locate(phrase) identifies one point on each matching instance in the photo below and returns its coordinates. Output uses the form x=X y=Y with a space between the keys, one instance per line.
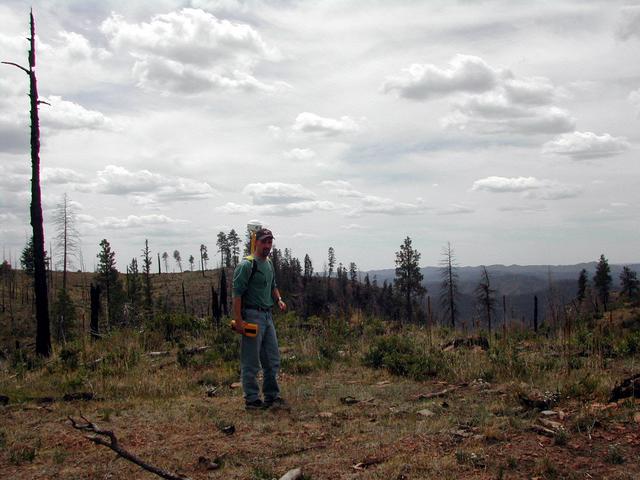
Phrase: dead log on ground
x=112 y=443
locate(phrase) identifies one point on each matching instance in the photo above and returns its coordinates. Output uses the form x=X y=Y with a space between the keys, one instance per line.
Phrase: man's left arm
x=275 y=293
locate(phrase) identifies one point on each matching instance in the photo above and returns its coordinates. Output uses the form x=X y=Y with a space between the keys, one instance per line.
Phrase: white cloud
x=488 y=100
x=505 y=184
x=629 y=22
x=531 y=187
x=65 y=115
x=421 y=81
x=554 y=191
x=586 y=145
x=192 y=51
x=456 y=209
x=634 y=98
x=134 y=221
x=116 y=180
x=61 y=175
x=342 y=188
x=372 y=204
x=353 y=226
x=311 y=123
x=303 y=235
x=282 y=209
x=301 y=154
x=169 y=75
x=495 y=113
x=276 y=193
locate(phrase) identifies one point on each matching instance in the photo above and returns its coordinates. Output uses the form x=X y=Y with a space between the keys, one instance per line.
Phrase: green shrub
x=69 y=357
x=400 y=356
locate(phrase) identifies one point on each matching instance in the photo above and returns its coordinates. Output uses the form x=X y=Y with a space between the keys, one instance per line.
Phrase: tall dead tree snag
x=43 y=333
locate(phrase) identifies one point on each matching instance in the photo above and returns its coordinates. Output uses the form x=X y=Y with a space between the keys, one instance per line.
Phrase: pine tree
x=485 y=296
x=308 y=270
x=583 y=281
x=629 y=283
x=108 y=279
x=146 y=270
x=234 y=241
x=165 y=259
x=191 y=262
x=223 y=249
x=178 y=259
x=408 y=276
x=602 y=281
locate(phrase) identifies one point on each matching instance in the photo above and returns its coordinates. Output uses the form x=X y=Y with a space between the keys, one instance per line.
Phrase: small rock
x=426 y=413
x=349 y=400
x=235 y=385
x=383 y=383
x=551 y=424
x=325 y=414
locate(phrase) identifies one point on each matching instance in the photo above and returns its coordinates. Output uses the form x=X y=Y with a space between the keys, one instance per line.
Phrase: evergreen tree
x=234 y=241
x=602 y=281
x=308 y=270
x=204 y=258
x=146 y=270
x=178 y=259
x=408 y=276
x=134 y=288
x=26 y=259
x=108 y=279
x=449 y=285
x=486 y=296
x=165 y=259
x=629 y=283
x=223 y=250
x=191 y=262
x=583 y=281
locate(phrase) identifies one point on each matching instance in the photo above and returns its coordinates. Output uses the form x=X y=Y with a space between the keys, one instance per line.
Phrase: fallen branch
x=112 y=443
x=194 y=350
x=441 y=393
x=368 y=462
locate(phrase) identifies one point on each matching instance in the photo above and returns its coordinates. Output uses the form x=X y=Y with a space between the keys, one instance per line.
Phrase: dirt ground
x=345 y=423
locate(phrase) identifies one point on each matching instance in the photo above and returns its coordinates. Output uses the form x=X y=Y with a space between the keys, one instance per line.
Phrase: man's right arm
x=237 y=314
x=240 y=280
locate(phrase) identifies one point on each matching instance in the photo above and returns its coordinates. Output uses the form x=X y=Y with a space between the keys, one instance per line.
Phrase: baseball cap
x=263 y=234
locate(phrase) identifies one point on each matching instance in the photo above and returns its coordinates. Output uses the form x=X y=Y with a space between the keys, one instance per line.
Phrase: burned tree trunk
x=43 y=333
x=95 y=309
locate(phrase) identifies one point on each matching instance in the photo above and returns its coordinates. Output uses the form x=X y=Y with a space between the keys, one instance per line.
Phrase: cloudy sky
x=510 y=129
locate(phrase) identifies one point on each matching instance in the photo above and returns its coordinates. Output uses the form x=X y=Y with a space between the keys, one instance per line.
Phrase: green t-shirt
x=258 y=292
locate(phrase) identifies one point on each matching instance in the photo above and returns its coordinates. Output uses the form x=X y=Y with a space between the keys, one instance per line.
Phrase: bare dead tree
x=43 y=333
x=67 y=236
x=449 y=285
x=108 y=439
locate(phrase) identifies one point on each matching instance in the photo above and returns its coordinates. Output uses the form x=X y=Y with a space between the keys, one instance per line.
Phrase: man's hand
x=239 y=326
x=282 y=305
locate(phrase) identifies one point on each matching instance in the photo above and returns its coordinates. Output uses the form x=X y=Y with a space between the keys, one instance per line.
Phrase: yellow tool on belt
x=250 y=329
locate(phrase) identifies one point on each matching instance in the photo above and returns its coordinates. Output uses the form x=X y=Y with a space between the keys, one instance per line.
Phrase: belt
x=255 y=307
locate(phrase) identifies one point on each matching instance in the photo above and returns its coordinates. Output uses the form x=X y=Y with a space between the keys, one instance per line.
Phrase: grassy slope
x=158 y=406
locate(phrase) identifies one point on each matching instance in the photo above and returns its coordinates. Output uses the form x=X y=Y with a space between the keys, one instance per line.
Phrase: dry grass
x=159 y=408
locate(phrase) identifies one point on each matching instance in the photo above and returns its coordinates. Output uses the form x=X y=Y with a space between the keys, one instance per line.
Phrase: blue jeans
x=258 y=352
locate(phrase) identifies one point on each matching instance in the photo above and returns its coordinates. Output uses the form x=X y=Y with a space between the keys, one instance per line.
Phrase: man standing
x=254 y=293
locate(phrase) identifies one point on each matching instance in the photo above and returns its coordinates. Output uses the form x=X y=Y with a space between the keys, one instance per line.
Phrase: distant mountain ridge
x=518 y=283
